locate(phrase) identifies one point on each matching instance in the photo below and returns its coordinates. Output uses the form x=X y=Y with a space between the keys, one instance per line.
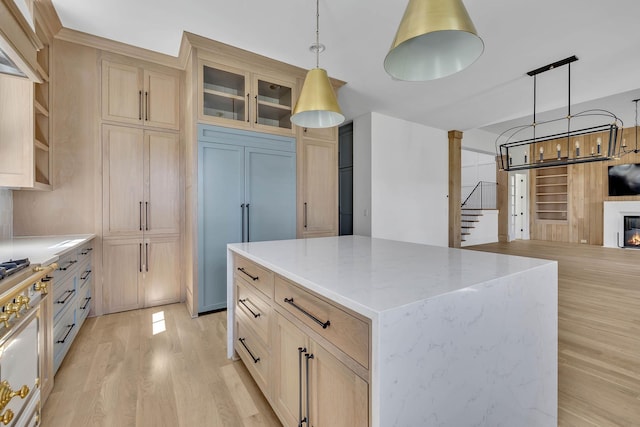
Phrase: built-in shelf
x=551 y=194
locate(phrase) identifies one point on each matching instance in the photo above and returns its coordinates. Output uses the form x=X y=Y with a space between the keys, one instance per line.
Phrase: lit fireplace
x=632 y=232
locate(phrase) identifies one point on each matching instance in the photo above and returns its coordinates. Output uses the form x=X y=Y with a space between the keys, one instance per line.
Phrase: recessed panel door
x=270 y=179
x=220 y=218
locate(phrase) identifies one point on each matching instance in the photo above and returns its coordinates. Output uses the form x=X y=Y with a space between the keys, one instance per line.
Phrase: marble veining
x=458 y=338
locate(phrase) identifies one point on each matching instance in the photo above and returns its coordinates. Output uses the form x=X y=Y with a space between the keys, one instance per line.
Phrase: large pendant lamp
x=436 y=38
x=317 y=105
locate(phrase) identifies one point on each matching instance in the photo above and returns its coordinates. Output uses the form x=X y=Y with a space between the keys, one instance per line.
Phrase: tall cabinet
x=246 y=193
x=141 y=221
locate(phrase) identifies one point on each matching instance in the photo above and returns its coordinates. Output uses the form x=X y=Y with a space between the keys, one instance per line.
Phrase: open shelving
x=551 y=193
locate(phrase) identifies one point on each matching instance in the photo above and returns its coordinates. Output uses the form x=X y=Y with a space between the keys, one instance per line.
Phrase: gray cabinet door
x=270 y=192
x=246 y=192
x=220 y=197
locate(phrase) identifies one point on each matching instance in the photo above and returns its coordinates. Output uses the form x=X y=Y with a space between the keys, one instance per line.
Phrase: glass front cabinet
x=237 y=98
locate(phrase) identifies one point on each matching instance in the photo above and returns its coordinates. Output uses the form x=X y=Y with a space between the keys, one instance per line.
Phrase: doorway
x=345 y=179
x=519 y=206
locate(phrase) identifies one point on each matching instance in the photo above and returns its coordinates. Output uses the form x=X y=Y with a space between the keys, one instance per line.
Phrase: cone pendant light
x=317 y=105
x=436 y=38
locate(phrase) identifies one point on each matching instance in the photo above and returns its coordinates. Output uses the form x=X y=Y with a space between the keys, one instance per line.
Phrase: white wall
x=6 y=214
x=480 y=141
x=408 y=183
x=476 y=166
x=362 y=175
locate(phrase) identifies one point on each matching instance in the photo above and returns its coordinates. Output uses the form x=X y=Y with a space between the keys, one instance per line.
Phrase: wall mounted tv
x=624 y=180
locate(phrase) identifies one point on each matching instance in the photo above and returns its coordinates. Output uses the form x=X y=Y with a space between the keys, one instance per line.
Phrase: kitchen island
x=455 y=337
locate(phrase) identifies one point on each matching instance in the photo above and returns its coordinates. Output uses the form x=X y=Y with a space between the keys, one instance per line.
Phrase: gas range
x=10 y=267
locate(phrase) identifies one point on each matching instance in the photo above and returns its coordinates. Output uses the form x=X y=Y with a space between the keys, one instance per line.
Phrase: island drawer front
x=259 y=277
x=345 y=331
x=64 y=295
x=257 y=311
x=254 y=355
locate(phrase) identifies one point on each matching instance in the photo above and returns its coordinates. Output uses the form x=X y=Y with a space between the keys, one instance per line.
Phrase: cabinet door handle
x=146 y=216
x=324 y=325
x=67 y=334
x=244 y=302
x=146 y=110
x=140 y=218
x=85 y=275
x=86 y=251
x=146 y=256
x=140 y=257
x=69 y=293
x=139 y=105
x=66 y=267
x=255 y=359
x=301 y=350
x=242 y=221
x=247 y=112
x=305 y=214
x=256 y=108
x=307 y=356
x=248 y=225
x=86 y=303
x=254 y=278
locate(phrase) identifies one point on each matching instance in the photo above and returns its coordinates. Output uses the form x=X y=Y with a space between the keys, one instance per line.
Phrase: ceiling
x=519 y=36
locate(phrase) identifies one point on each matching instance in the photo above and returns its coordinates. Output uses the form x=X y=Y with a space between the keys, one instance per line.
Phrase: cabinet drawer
x=347 y=332
x=257 y=311
x=83 y=304
x=257 y=276
x=64 y=294
x=66 y=266
x=84 y=252
x=84 y=275
x=64 y=331
x=254 y=355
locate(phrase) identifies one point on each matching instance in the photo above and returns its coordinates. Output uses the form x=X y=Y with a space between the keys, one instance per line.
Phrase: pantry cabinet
x=318 y=188
x=136 y=95
x=234 y=97
x=141 y=178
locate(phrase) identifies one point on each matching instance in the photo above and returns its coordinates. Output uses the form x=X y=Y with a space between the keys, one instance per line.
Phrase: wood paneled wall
x=587 y=191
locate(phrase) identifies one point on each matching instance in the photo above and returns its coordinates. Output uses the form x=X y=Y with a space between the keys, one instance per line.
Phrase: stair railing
x=483 y=196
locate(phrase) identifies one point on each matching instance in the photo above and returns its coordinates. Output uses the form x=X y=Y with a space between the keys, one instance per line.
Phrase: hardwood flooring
x=119 y=373
x=598 y=330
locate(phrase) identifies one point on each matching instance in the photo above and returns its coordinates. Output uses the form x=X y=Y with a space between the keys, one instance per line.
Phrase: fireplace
x=632 y=231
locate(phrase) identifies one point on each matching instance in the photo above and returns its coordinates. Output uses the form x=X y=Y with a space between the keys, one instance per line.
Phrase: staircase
x=470 y=218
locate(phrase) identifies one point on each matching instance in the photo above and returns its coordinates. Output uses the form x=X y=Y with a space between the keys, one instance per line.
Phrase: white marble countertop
x=41 y=250
x=371 y=276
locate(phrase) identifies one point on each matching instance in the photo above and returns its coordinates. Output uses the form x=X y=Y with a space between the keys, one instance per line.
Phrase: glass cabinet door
x=224 y=94
x=273 y=103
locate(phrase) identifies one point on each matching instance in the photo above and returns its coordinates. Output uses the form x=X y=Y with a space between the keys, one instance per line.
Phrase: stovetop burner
x=13 y=266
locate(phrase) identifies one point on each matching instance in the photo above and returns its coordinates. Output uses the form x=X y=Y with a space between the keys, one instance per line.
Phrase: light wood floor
x=118 y=373
x=598 y=329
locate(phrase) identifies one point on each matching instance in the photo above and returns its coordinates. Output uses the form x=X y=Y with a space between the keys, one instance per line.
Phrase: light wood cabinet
x=140 y=272
x=122 y=265
x=551 y=193
x=24 y=132
x=139 y=96
x=235 y=97
x=311 y=379
x=310 y=357
x=318 y=184
x=141 y=181
x=161 y=276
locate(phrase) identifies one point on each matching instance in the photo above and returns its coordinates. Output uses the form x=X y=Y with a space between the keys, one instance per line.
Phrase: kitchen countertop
x=458 y=337
x=371 y=276
x=42 y=250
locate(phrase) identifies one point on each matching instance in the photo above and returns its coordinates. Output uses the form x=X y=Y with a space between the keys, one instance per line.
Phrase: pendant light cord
x=317 y=33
